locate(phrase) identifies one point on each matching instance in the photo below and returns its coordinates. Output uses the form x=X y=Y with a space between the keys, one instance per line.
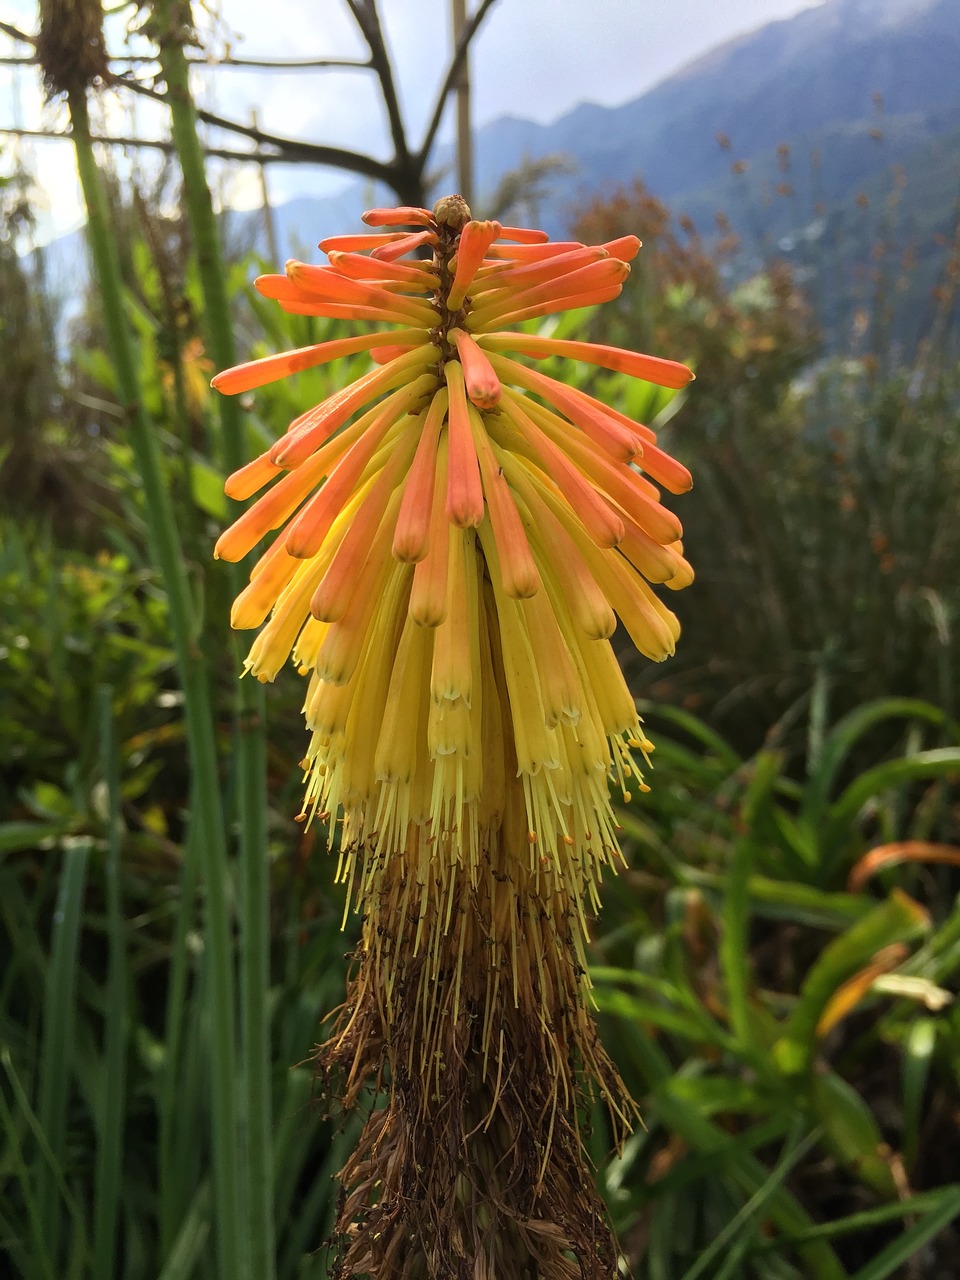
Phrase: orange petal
x=585 y=280
x=665 y=470
x=298 y=443
x=625 y=248
x=524 y=275
x=483 y=385
x=361 y=266
x=428 y=594
x=404 y=216
x=475 y=239
x=383 y=355
x=523 y=235
x=464 y=490
x=257 y=373
x=248 y=480
x=553 y=307
x=397 y=248
x=332 y=596
x=361 y=243
x=307 y=533
x=519 y=572
x=274 y=508
x=665 y=373
x=533 y=252
x=649 y=623
x=411 y=538
x=634 y=494
x=657 y=563
x=274 y=571
x=346 y=639
x=327 y=285
x=589 y=414
x=599 y=519
x=556 y=546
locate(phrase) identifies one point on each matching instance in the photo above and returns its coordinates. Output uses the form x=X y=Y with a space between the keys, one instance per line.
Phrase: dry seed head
x=70 y=45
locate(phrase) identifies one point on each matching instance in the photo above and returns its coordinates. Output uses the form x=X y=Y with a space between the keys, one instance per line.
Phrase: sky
x=532 y=58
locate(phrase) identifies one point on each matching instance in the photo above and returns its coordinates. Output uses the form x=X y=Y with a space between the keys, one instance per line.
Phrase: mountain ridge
x=863 y=84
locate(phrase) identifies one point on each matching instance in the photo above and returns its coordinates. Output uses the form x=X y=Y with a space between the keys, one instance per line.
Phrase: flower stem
x=250 y=706
x=198 y=710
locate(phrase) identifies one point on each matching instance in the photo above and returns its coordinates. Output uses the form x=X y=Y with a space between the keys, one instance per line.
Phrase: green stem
x=250 y=734
x=198 y=710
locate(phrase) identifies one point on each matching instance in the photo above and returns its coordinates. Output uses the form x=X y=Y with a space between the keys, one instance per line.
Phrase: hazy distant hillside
x=851 y=87
x=862 y=84
x=809 y=82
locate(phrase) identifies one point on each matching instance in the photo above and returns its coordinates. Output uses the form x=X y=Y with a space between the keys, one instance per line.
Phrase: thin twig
x=290 y=148
x=453 y=71
x=368 y=20
x=214 y=62
x=15 y=34
x=156 y=144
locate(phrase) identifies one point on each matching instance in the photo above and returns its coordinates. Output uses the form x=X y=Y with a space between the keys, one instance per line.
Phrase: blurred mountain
x=820 y=81
x=854 y=86
x=781 y=129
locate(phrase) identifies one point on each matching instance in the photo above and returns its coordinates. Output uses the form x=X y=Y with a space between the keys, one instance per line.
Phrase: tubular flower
x=456 y=534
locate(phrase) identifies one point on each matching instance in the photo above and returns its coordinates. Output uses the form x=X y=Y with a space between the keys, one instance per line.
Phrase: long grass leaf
x=191 y=1238
x=908 y=1245
x=110 y=1143
x=793 y=1153
x=843 y=737
x=52 y=1166
x=897 y=919
x=30 y=1245
x=58 y=1022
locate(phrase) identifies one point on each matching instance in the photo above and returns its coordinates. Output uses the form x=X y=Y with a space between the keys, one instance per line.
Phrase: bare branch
x=290 y=149
x=368 y=20
x=157 y=144
x=263 y=64
x=453 y=71
x=9 y=30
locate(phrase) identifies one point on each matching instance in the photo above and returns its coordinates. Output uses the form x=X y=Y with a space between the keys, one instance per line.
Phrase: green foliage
x=789 y=1032
x=821 y=524
x=777 y=1027
x=77 y=622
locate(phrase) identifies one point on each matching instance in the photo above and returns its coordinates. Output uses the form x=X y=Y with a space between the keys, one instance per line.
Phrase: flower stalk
x=207 y=812
x=171 y=19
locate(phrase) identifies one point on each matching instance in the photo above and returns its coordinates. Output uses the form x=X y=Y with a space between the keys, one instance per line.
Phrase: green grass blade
x=28 y=1244
x=918 y=1055
x=110 y=1144
x=942 y=1212
x=175 y=1113
x=52 y=1166
x=892 y=773
x=696 y=728
x=892 y=921
x=58 y=1022
x=191 y=1239
x=843 y=737
x=750 y=1175
x=793 y=1152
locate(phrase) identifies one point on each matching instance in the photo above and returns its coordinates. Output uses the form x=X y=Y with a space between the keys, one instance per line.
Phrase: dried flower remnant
x=458 y=533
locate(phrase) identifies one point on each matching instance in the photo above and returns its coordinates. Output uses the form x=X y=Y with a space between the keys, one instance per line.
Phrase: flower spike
x=454 y=536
